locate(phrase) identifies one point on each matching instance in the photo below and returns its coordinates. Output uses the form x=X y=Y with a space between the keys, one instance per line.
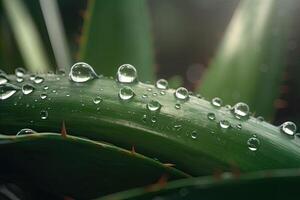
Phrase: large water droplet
x=20 y=72
x=217 y=102
x=27 y=89
x=162 y=84
x=126 y=93
x=44 y=114
x=7 y=90
x=253 y=143
x=181 y=93
x=288 y=128
x=3 y=79
x=127 y=74
x=97 y=100
x=38 y=79
x=25 y=131
x=154 y=105
x=211 y=116
x=241 y=110
x=82 y=72
x=224 y=124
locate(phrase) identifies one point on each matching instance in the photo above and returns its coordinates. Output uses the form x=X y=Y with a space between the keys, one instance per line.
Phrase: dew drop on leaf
x=43 y=96
x=241 y=110
x=126 y=93
x=44 y=114
x=20 y=72
x=154 y=105
x=82 y=72
x=217 y=102
x=97 y=100
x=3 y=79
x=181 y=93
x=194 y=135
x=7 y=90
x=177 y=106
x=253 y=143
x=162 y=84
x=27 y=89
x=38 y=79
x=25 y=131
x=211 y=116
x=288 y=128
x=127 y=74
x=224 y=124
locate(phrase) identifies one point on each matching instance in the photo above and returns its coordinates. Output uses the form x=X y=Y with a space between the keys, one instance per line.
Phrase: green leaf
x=118 y=32
x=249 y=64
x=76 y=167
x=26 y=35
x=184 y=137
x=250 y=186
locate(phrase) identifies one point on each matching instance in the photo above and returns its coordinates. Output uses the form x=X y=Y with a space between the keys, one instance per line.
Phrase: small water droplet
x=97 y=100
x=144 y=118
x=32 y=77
x=181 y=93
x=199 y=96
x=288 y=128
x=211 y=116
x=145 y=96
x=224 y=124
x=153 y=105
x=241 y=110
x=44 y=114
x=20 y=79
x=7 y=90
x=154 y=94
x=162 y=93
x=239 y=126
x=177 y=127
x=162 y=84
x=217 y=102
x=153 y=119
x=38 y=79
x=194 y=134
x=46 y=87
x=20 y=72
x=126 y=93
x=149 y=89
x=260 y=118
x=3 y=79
x=43 y=96
x=27 y=89
x=177 y=106
x=127 y=74
x=82 y=72
x=253 y=143
x=25 y=131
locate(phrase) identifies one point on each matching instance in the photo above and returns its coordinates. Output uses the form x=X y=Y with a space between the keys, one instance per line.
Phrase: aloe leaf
x=76 y=167
x=179 y=133
x=118 y=32
x=249 y=64
x=248 y=186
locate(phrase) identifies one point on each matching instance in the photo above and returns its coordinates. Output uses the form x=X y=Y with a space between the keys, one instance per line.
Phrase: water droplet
x=46 y=87
x=228 y=107
x=217 y=102
x=43 y=96
x=241 y=110
x=82 y=72
x=144 y=118
x=3 y=79
x=162 y=84
x=211 y=116
x=224 y=124
x=7 y=90
x=154 y=94
x=162 y=93
x=145 y=96
x=239 y=126
x=25 y=131
x=20 y=72
x=32 y=77
x=97 y=100
x=177 y=127
x=126 y=93
x=20 y=79
x=38 y=79
x=199 y=96
x=44 y=114
x=194 y=134
x=177 y=106
x=127 y=74
x=27 y=89
x=253 y=143
x=181 y=93
x=154 y=105
x=149 y=89
x=260 y=118
x=153 y=119
x=288 y=128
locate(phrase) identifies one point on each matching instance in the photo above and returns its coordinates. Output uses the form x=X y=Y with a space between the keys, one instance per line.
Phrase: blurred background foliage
x=181 y=41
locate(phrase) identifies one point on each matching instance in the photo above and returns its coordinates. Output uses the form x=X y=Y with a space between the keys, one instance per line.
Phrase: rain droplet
x=7 y=90
x=97 y=100
x=211 y=116
x=38 y=79
x=126 y=93
x=162 y=84
x=44 y=114
x=194 y=134
x=82 y=72
x=241 y=110
x=127 y=74
x=217 y=102
x=181 y=93
x=20 y=72
x=177 y=106
x=288 y=128
x=25 y=131
x=43 y=96
x=153 y=105
x=253 y=143
x=224 y=124
x=27 y=89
